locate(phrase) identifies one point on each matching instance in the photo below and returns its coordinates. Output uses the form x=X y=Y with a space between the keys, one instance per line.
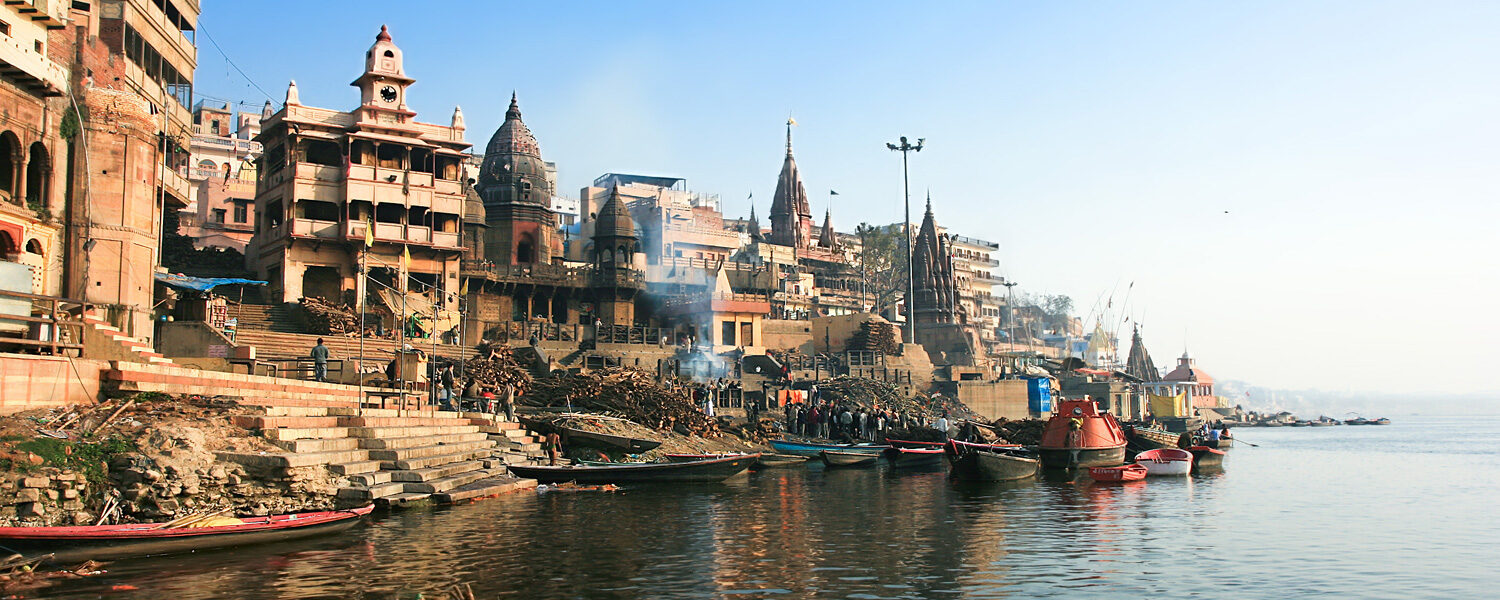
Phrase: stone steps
x=317 y=445
x=447 y=483
x=402 y=499
x=436 y=459
x=418 y=441
x=355 y=468
x=308 y=433
x=435 y=473
x=415 y=452
x=370 y=479
x=484 y=487
x=409 y=432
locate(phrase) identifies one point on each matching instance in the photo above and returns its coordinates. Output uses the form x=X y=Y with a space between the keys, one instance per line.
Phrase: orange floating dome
x=1078 y=435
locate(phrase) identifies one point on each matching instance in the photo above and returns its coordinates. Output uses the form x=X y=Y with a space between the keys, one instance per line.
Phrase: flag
x=405 y=258
x=832 y=193
x=463 y=288
x=791 y=121
x=370 y=233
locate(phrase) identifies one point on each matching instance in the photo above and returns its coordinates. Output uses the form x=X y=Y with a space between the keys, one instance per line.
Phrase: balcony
x=617 y=277
x=33 y=69
x=355 y=230
x=418 y=234
x=537 y=274
x=173 y=183
x=445 y=239
x=389 y=231
x=319 y=172
x=316 y=229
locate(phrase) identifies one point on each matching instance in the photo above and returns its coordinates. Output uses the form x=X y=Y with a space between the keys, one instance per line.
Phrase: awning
x=380 y=137
x=202 y=284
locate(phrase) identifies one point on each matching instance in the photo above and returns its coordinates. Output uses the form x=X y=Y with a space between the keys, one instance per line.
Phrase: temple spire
x=789 y=123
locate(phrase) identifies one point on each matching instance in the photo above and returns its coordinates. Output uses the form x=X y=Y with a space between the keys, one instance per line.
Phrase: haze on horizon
x=1303 y=195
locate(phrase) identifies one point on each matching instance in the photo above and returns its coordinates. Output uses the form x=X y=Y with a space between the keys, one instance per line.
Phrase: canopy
x=202 y=284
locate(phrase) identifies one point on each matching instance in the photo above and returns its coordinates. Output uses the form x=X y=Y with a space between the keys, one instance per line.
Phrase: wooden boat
x=607 y=440
x=837 y=459
x=813 y=449
x=1381 y=421
x=1118 y=474
x=989 y=462
x=1357 y=421
x=1099 y=442
x=682 y=458
x=1166 y=461
x=1146 y=438
x=914 y=458
x=105 y=542
x=707 y=470
x=1221 y=443
x=914 y=444
x=1207 y=458
x=773 y=461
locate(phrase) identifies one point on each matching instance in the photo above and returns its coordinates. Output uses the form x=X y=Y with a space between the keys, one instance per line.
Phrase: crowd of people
x=823 y=419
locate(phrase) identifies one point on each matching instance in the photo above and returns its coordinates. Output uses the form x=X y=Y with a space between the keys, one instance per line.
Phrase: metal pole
x=359 y=365
x=911 y=313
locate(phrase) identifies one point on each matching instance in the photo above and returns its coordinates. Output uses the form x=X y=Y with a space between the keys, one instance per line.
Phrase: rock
x=234 y=479
x=69 y=494
x=28 y=495
x=31 y=509
x=51 y=494
x=133 y=492
x=72 y=505
x=217 y=472
x=36 y=482
x=167 y=505
x=83 y=518
x=174 y=490
x=190 y=490
x=151 y=475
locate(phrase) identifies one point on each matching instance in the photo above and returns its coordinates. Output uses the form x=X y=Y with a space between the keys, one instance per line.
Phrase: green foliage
x=70 y=125
x=88 y=458
x=144 y=397
x=882 y=260
x=42 y=214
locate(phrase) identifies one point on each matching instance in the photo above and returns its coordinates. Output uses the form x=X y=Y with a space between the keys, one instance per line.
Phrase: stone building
x=33 y=99
x=791 y=215
x=513 y=182
x=972 y=264
x=133 y=66
x=941 y=323
x=370 y=186
x=221 y=173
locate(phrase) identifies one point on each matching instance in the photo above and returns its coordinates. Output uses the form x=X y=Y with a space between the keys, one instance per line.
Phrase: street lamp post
x=911 y=312
x=1010 y=307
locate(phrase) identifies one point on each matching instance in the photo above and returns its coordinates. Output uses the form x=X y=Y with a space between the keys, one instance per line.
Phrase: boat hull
x=838 y=460
x=777 y=461
x=1205 y=458
x=1222 y=444
x=1165 y=461
x=591 y=438
x=1065 y=458
x=1117 y=474
x=984 y=465
x=914 y=458
x=813 y=450
x=698 y=471
x=110 y=542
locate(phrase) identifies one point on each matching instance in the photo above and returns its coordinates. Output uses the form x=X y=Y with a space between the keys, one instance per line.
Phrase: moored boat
x=772 y=461
x=1207 y=458
x=978 y=462
x=1166 y=461
x=813 y=449
x=1357 y=421
x=914 y=444
x=105 y=542
x=706 y=470
x=608 y=440
x=836 y=459
x=1222 y=443
x=1078 y=435
x=914 y=458
x=682 y=458
x=1380 y=421
x=1118 y=474
x=1146 y=438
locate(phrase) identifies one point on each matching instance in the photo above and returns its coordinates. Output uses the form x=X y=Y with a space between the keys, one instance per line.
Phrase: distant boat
x=912 y=458
x=1166 y=461
x=1207 y=458
x=1118 y=474
x=1098 y=442
x=1357 y=421
x=979 y=462
x=837 y=459
x=707 y=470
x=1381 y=421
x=813 y=449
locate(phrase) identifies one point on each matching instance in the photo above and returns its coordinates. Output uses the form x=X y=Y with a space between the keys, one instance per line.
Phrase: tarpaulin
x=201 y=284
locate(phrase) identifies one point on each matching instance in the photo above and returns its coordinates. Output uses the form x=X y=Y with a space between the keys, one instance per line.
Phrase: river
x=1400 y=511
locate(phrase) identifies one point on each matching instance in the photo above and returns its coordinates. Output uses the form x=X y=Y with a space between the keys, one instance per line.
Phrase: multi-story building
x=34 y=85
x=972 y=270
x=133 y=67
x=682 y=233
x=221 y=208
x=372 y=185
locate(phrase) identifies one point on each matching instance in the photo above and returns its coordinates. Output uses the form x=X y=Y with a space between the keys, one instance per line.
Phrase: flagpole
x=359 y=369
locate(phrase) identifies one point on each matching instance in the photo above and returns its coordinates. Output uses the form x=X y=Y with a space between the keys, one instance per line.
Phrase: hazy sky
x=1304 y=193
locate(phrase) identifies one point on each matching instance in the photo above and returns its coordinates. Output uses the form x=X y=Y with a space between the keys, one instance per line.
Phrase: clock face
x=388 y=93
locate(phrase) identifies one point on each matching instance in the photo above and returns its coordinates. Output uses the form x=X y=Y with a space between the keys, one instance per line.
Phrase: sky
x=1301 y=194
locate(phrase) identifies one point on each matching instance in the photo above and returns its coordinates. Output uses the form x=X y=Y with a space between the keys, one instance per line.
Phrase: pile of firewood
x=626 y=393
x=759 y=432
x=884 y=395
x=1027 y=432
x=494 y=368
x=874 y=336
x=324 y=317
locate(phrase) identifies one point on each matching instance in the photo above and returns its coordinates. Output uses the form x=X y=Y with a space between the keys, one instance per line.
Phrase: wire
x=211 y=40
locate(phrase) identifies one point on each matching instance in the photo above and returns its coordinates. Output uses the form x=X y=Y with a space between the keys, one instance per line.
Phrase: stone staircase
x=268 y=317
x=107 y=341
x=394 y=460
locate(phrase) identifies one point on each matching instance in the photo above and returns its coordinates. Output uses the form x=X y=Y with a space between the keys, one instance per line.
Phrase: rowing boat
x=1207 y=458
x=989 y=462
x=914 y=458
x=594 y=438
x=1118 y=474
x=1165 y=461
x=837 y=459
x=768 y=460
x=105 y=542
x=813 y=449
x=707 y=470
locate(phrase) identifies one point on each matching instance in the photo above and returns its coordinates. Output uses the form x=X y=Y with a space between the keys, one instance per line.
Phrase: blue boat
x=812 y=449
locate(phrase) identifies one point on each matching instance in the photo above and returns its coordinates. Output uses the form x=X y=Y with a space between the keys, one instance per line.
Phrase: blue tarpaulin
x=202 y=284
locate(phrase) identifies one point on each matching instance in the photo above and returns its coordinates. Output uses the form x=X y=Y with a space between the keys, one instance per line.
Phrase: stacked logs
x=873 y=393
x=1027 y=432
x=496 y=367
x=626 y=393
x=874 y=336
x=324 y=317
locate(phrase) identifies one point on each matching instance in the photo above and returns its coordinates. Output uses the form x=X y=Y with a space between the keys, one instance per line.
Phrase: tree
x=882 y=264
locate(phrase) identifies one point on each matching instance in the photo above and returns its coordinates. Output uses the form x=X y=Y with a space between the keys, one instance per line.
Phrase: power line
x=231 y=62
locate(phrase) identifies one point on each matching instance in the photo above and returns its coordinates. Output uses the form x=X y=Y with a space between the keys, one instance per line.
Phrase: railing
x=445 y=239
x=315 y=228
x=525 y=273
x=173 y=181
x=40 y=322
x=418 y=234
x=617 y=277
x=632 y=334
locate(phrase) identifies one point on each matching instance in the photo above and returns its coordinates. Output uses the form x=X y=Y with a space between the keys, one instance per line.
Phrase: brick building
x=33 y=100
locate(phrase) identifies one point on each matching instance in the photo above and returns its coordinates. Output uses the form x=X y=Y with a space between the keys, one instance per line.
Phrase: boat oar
x=1240 y=441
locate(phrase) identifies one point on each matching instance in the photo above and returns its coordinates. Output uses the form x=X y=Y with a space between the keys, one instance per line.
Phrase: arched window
x=526 y=249
x=38 y=171
x=33 y=246
x=10 y=157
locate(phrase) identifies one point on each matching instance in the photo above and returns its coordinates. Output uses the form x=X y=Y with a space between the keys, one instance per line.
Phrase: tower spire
x=789 y=123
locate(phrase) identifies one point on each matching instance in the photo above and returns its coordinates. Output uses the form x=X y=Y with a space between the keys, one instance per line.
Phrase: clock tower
x=382 y=87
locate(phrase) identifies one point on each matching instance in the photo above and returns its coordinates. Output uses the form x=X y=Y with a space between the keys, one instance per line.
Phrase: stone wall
x=785 y=335
x=992 y=399
x=31 y=381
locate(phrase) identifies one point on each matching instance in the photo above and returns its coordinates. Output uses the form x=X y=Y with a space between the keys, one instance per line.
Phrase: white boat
x=1165 y=461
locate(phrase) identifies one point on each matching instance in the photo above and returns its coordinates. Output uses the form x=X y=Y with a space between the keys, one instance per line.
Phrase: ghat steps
x=395 y=457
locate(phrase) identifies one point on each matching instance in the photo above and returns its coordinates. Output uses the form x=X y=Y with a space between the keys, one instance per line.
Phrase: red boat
x=1118 y=474
x=913 y=443
x=911 y=458
x=1078 y=435
x=971 y=445
x=102 y=542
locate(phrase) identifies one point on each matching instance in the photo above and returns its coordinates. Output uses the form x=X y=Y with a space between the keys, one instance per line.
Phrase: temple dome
x=473 y=206
x=512 y=160
x=614 y=220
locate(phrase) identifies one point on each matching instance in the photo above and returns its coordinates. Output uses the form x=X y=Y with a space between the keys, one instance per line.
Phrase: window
x=39 y=47
x=4 y=28
x=241 y=212
x=218 y=215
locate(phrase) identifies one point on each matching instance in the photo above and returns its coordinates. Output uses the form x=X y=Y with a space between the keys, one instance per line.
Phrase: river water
x=1401 y=511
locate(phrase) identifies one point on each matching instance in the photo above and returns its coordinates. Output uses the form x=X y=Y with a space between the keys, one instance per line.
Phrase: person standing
x=508 y=402
x=320 y=361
